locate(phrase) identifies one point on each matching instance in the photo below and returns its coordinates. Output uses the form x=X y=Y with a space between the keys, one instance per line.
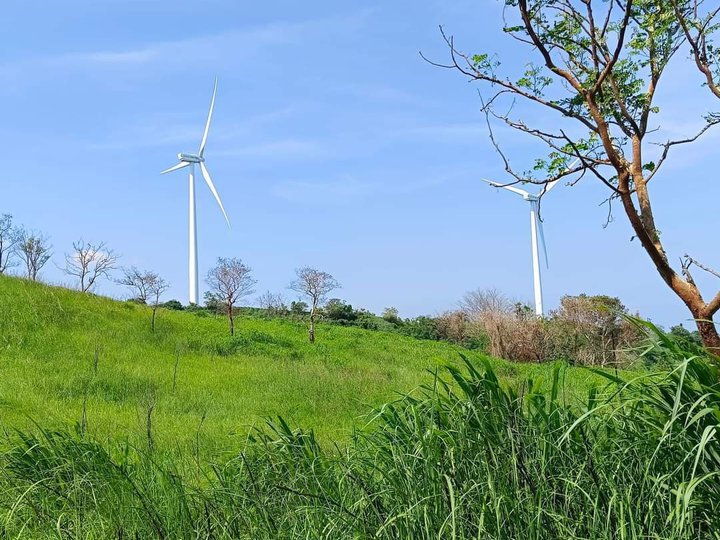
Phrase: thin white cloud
x=348 y=189
x=284 y=148
x=173 y=54
x=321 y=193
x=185 y=129
x=380 y=93
x=467 y=133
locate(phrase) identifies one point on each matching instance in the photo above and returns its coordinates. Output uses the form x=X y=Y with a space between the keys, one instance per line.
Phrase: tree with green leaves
x=34 y=250
x=591 y=95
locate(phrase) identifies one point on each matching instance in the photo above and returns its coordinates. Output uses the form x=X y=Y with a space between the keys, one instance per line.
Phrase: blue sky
x=334 y=144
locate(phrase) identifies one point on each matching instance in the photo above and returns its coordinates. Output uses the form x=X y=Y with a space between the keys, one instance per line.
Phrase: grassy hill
x=49 y=337
x=481 y=457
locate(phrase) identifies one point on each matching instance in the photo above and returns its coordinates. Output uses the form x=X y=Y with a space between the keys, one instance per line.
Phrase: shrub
x=299 y=307
x=173 y=304
x=392 y=315
x=420 y=328
x=338 y=311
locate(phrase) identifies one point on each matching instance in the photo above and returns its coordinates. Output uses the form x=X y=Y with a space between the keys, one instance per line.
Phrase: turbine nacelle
x=190 y=158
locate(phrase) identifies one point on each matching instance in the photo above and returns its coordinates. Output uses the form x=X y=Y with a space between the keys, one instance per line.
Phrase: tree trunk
x=686 y=290
x=708 y=333
x=311 y=330
x=152 y=322
x=231 y=322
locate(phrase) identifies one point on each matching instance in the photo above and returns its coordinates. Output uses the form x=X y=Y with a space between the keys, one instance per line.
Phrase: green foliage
x=299 y=307
x=174 y=305
x=392 y=315
x=338 y=311
x=213 y=303
x=420 y=328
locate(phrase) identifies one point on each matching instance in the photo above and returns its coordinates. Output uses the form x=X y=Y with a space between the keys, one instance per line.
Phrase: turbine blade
x=548 y=187
x=209 y=182
x=541 y=235
x=509 y=188
x=209 y=118
x=176 y=167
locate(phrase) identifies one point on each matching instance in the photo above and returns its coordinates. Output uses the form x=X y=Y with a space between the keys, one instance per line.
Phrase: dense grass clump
x=469 y=457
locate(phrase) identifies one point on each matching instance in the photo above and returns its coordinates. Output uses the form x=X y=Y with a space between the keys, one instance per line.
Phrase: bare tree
x=138 y=282
x=490 y=312
x=315 y=285
x=9 y=239
x=156 y=286
x=147 y=287
x=230 y=281
x=598 y=68
x=34 y=250
x=480 y=301
x=272 y=303
x=89 y=262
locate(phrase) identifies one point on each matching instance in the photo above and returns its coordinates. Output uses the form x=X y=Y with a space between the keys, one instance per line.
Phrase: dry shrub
x=586 y=330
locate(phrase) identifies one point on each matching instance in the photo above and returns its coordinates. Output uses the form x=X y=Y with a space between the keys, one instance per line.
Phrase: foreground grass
x=222 y=387
x=471 y=459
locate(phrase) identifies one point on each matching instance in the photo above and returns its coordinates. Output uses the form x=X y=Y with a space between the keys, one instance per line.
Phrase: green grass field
x=49 y=335
x=481 y=455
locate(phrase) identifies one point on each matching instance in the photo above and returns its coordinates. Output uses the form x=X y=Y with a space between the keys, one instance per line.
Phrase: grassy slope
x=48 y=338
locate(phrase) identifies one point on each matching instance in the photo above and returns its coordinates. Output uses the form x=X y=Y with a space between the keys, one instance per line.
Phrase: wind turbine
x=189 y=160
x=536 y=233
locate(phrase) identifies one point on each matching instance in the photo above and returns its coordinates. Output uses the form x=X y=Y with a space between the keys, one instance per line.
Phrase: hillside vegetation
x=49 y=338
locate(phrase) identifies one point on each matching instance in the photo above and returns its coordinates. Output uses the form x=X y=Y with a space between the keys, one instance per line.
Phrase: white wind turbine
x=536 y=230
x=189 y=160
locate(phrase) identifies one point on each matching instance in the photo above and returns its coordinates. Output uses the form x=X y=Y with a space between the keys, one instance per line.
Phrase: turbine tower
x=189 y=160
x=537 y=235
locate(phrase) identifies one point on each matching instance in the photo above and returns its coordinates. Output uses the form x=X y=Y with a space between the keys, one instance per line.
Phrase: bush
x=299 y=308
x=339 y=311
x=584 y=330
x=420 y=328
x=392 y=315
x=173 y=304
x=368 y=321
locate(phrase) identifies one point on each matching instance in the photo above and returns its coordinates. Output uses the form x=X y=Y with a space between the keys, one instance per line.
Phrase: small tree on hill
x=272 y=303
x=138 y=282
x=230 y=281
x=89 y=262
x=147 y=288
x=315 y=285
x=391 y=315
x=596 y=326
x=156 y=286
x=9 y=239
x=34 y=250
